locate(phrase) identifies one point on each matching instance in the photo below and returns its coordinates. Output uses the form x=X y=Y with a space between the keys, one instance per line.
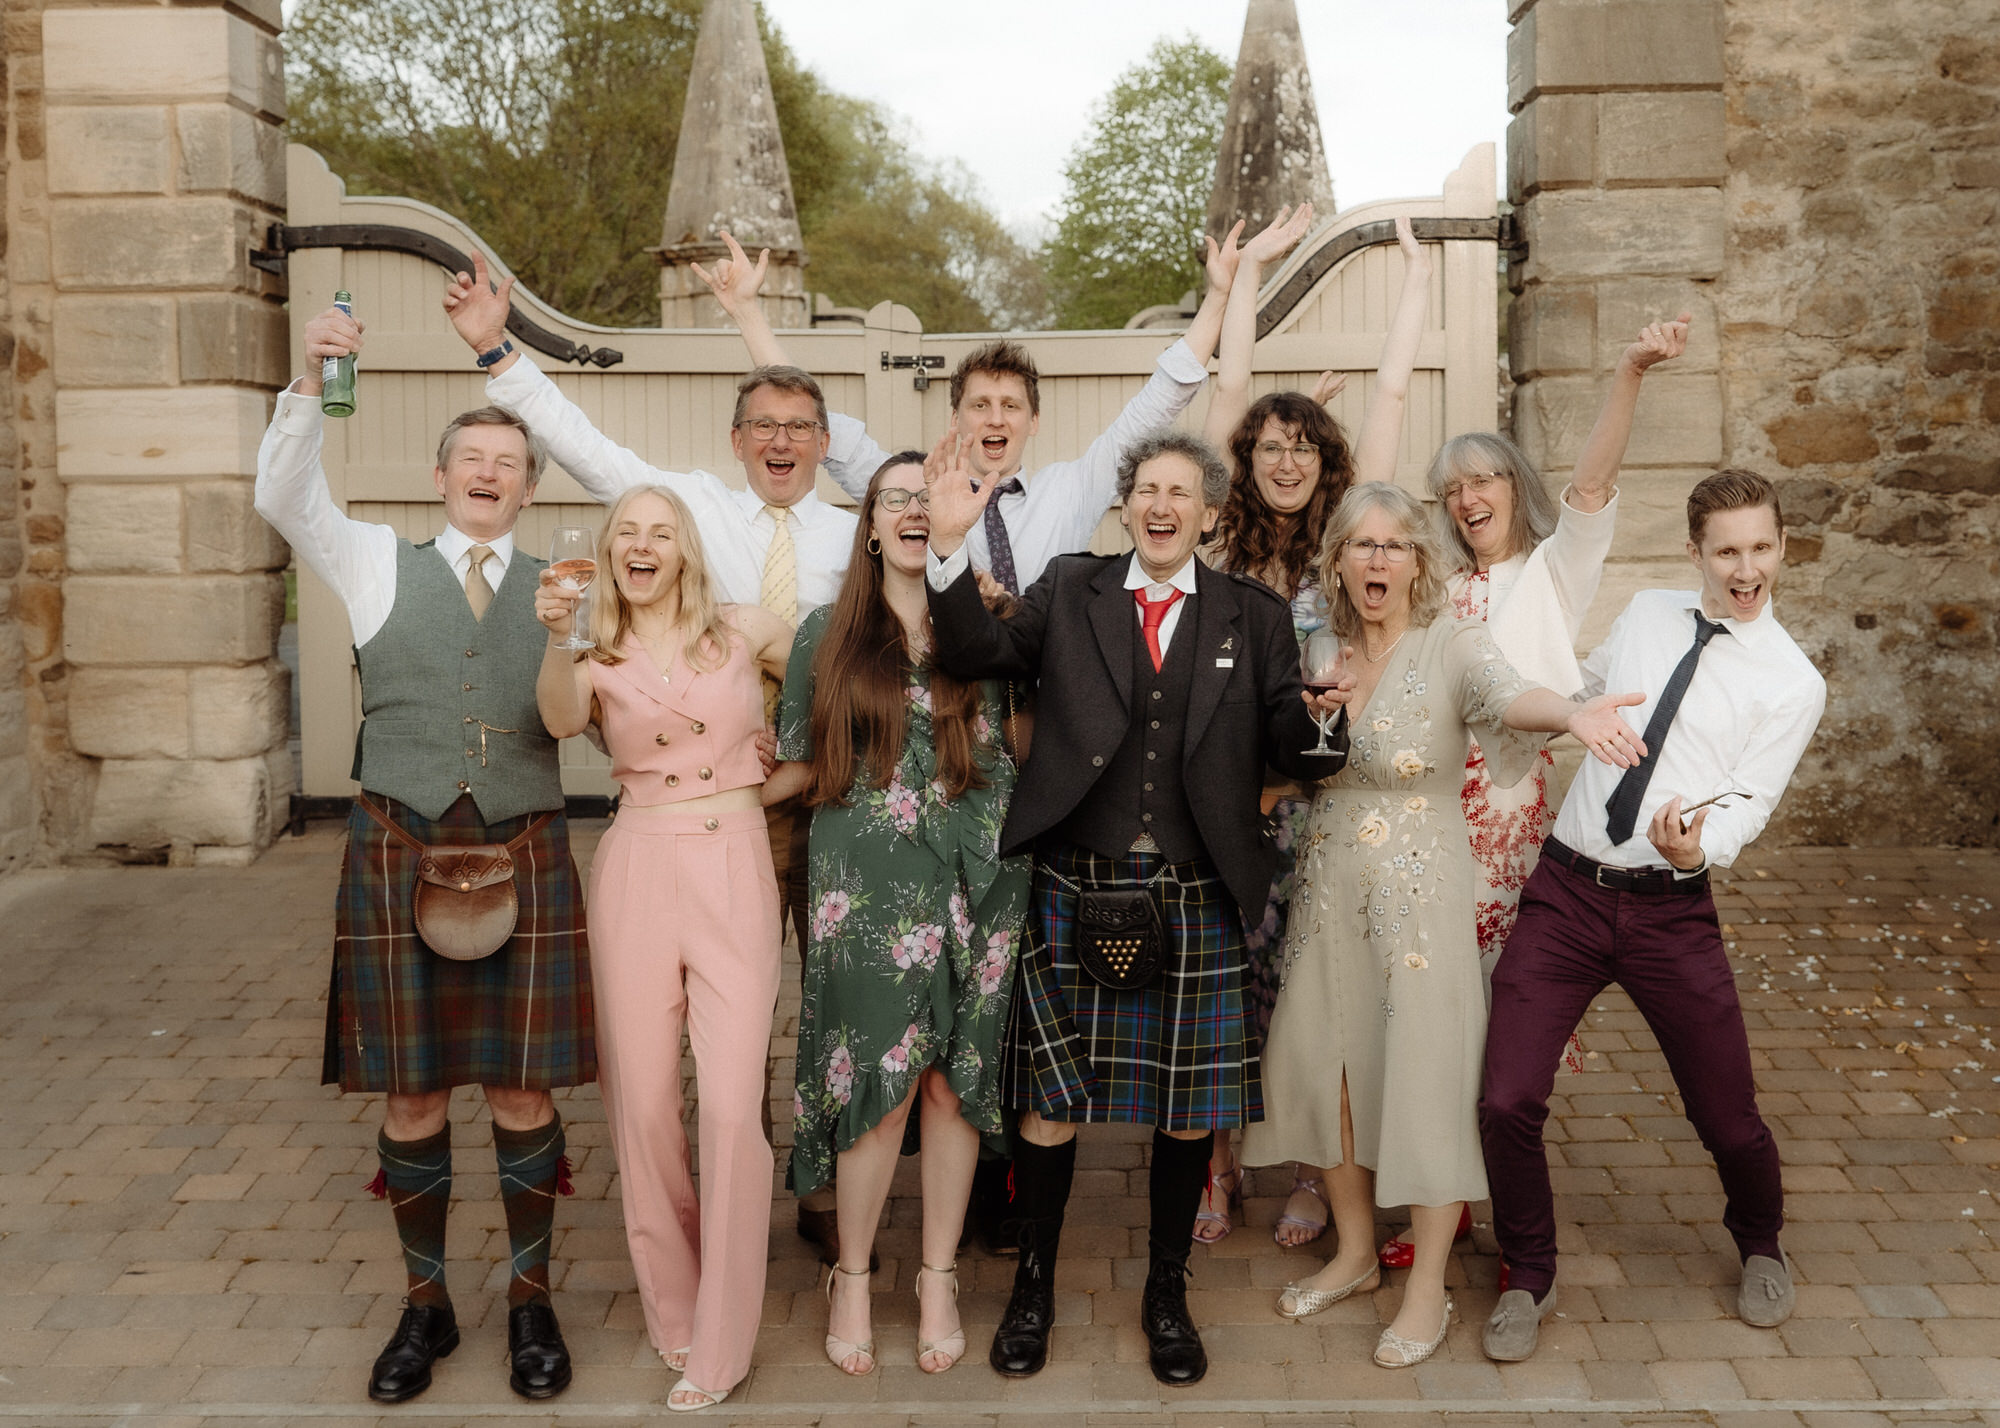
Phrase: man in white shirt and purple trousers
x=1621 y=895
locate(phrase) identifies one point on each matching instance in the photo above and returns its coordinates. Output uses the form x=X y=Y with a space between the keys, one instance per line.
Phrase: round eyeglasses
x=895 y=498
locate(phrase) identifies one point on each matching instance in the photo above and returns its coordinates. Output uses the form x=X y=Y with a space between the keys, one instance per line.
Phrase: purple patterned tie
x=1000 y=550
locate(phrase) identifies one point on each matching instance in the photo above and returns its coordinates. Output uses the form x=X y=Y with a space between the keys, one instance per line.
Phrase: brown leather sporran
x=464 y=894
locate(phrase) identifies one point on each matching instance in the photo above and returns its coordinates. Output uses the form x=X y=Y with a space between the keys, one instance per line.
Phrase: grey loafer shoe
x=1516 y=1325
x=1766 y=1296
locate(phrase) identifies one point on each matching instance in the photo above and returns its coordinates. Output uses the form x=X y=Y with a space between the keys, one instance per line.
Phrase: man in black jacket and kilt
x=452 y=751
x=1165 y=690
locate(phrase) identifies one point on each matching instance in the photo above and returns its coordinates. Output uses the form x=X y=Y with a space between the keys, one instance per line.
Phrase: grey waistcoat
x=437 y=684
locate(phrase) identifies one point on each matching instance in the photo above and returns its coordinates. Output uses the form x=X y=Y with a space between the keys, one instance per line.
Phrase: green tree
x=1128 y=229
x=549 y=126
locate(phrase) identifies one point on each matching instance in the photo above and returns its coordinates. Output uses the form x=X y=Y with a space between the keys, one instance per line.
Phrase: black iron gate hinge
x=281 y=240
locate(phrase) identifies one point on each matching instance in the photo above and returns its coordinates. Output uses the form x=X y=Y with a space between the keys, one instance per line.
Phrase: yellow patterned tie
x=478 y=594
x=780 y=591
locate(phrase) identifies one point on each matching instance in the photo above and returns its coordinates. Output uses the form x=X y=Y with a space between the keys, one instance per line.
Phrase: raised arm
x=1382 y=424
x=1230 y=395
x=1596 y=473
x=738 y=285
x=852 y=457
x=562 y=686
x=355 y=559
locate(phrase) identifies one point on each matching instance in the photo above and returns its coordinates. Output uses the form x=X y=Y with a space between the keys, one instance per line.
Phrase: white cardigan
x=1536 y=602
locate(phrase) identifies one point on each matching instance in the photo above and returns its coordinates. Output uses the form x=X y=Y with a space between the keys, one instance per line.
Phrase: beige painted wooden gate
x=668 y=394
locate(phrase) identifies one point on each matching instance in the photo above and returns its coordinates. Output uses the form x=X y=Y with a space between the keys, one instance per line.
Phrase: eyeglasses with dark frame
x=764 y=428
x=895 y=498
x=1393 y=551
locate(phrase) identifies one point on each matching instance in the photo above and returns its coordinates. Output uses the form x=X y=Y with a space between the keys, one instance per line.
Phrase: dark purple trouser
x=1573 y=939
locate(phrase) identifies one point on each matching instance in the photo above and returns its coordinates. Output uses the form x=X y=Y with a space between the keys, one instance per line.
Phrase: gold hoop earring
x=874 y=545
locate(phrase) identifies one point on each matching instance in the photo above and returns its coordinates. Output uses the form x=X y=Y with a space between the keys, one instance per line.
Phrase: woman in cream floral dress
x=1372 y=1067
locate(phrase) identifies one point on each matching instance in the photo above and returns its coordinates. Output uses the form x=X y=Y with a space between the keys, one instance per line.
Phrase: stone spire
x=1271 y=150
x=729 y=172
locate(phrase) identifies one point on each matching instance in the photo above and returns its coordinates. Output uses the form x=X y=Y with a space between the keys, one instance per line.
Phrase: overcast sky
x=1404 y=87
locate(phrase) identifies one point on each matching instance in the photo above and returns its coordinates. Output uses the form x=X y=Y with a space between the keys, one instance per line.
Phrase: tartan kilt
x=401 y=1019
x=1178 y=1054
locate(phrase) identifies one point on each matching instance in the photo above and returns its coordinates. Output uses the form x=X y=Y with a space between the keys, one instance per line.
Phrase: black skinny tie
x=1623 y=805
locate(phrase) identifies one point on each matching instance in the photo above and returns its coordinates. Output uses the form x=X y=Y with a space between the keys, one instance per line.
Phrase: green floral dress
x=916 y=923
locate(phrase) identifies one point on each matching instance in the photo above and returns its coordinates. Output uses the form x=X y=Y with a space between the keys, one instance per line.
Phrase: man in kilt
x=1166 y=688
x=452 y=751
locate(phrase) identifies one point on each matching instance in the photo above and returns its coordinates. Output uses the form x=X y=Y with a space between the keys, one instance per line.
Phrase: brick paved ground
x=187 y=1240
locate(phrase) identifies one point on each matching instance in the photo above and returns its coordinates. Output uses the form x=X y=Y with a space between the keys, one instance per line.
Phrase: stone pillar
x=730 y=172
x=1615 y=164
x=164 y=163
x=1271 y=152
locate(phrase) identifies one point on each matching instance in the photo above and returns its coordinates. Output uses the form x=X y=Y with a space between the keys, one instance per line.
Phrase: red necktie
x=1156 y=612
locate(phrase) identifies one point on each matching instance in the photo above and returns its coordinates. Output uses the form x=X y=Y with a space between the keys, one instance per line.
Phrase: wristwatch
x=487 y=359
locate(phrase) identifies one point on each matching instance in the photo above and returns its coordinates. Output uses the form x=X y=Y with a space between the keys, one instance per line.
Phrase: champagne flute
x=573 y=562
x=1322 y=665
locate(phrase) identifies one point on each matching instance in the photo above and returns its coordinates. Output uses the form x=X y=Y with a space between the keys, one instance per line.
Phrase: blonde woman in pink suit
x=683 y=921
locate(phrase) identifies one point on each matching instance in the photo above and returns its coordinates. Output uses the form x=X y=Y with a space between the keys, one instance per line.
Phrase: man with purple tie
x=1621 y=895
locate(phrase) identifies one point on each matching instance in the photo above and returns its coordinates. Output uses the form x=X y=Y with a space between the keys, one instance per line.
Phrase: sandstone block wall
x=1861 y=365
x=1816 y=181
x=145 y=160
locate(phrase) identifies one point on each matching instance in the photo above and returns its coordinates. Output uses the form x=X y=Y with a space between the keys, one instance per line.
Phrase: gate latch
x=924 y=365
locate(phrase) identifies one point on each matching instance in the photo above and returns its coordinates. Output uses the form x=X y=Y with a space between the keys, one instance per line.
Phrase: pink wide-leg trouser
x=684 y=930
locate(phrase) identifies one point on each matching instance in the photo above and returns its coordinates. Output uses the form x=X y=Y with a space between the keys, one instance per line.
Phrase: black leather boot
x=537 y=1357
x=424 y=1334
x=1042 y=1179
x=1021 y=1343
x=1173 y=1343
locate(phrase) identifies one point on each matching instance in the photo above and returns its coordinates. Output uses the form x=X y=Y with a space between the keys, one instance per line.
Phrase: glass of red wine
x=573 y=562
x=1322 y=665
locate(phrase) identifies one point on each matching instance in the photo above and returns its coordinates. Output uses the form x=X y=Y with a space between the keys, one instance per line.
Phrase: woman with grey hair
x=1373 y=1061
x=1529 y=565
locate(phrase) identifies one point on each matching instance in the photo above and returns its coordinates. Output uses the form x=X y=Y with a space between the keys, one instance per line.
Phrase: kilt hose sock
x=1178 y=1175
x=416 y=1175
x=532 y=1171
x=1043 y=1175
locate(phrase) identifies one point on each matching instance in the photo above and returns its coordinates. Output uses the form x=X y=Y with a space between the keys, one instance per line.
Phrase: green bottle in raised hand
x=336 y=395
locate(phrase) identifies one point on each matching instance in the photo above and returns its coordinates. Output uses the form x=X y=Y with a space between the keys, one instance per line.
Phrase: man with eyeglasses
x=996 y=400
x=775 y=544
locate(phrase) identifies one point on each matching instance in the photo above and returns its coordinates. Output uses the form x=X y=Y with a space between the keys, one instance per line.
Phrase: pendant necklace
x=1377 y=659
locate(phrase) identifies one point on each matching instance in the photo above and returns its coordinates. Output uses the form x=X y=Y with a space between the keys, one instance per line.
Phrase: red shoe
x=1399 y=1253
x=1502 y=1287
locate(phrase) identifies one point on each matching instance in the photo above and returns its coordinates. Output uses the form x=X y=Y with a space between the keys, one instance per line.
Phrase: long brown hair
x=861 y=675
x=1255 y=540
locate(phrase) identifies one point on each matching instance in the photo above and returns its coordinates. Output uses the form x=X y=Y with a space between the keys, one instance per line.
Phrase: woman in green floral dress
x=916 y=920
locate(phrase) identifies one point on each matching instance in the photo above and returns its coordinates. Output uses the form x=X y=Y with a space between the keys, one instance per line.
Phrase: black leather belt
x=1652 y=882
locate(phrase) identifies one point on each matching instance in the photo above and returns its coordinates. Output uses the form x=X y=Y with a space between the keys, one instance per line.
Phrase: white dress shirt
x=356 y=559
x=940 y=572
x=735 y=529
x=1536 y=600
x=1748 y=714
x=1058 y=509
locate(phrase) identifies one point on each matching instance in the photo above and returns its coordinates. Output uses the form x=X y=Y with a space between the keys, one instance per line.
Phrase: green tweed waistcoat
x=448 y=701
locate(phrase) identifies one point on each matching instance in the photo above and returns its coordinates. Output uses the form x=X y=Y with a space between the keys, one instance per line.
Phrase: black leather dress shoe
x=1173 y=1343
x=536 y=1353
x=403 y=1368
x=1021 y=1343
